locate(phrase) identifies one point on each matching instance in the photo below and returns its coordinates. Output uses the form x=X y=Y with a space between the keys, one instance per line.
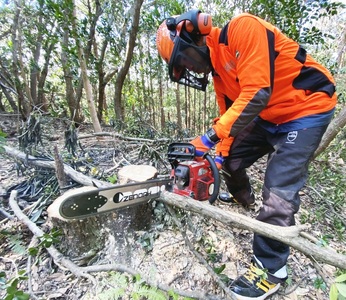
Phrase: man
x=274 y=99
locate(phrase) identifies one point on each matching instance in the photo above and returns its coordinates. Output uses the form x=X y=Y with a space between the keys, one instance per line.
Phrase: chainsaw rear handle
x=216 y=176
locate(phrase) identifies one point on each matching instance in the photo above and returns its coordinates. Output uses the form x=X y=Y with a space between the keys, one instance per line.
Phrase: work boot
x=229 y=198
x=253 y=285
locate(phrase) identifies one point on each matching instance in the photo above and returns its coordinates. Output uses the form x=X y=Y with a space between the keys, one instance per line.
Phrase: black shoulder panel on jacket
x=223 y=39
x=311 y=79
x=228 y=102
x=301 y=55
x=272 y=55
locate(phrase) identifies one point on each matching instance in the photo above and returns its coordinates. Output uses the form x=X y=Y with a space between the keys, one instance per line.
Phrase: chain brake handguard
x=178 y=152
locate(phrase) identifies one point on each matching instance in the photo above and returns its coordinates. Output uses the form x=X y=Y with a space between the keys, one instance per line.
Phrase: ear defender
x=196 y=22
x=204 y=24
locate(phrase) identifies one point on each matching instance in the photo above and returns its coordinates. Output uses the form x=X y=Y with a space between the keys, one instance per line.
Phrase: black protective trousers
x=286 y=172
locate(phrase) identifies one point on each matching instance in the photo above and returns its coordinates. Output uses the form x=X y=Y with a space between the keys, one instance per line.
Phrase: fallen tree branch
x=289 y=235
x=120 y=136
x=33 y=243
x=58 y=258
x=50 y=164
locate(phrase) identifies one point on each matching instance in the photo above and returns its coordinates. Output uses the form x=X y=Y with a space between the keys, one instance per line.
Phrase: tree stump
x=111 y=233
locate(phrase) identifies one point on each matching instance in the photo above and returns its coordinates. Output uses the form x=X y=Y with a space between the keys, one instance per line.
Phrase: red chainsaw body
x=193 y=179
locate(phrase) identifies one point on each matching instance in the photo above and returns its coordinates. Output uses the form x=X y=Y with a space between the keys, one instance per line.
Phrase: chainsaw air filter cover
x=182 y=176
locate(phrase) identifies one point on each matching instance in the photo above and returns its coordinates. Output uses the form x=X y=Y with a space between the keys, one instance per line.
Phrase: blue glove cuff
x=199 y=153
x=207 y=142
x=219 y=159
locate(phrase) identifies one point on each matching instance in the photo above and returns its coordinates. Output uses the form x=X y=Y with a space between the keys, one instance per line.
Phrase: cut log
x=136 y=173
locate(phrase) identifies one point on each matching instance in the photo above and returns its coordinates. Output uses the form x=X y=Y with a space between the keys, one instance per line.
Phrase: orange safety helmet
x=178 y=42
x=164 y=42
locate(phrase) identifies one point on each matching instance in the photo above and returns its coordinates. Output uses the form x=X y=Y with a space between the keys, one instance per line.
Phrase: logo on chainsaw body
x=128 y=196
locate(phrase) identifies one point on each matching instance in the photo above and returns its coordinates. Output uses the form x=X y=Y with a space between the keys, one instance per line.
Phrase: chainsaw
x=197 y=179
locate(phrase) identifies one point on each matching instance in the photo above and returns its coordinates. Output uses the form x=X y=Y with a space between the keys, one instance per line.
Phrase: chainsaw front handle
x=216 y=176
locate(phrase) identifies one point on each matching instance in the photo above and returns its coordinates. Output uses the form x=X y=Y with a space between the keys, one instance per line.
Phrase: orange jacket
x=258 y=71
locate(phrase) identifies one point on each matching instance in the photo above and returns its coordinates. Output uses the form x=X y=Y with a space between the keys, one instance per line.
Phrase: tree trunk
x=9 y=97
x=118 y=105
x=333 y=129
x=101 y=84
x=162 y=114
x=86 y=81
x=34 y=66
x=341 y=50
x=2 y=107
x=24 y=104
x=292 y=235
x=179 y=110
x=41 y=99
x=72 y=101
x=205 y=124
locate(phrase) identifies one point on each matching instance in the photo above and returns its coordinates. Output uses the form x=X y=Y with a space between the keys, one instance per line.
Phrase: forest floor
x=148 y=243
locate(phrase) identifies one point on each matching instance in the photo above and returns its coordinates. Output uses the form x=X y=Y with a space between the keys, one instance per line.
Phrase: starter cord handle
x=216 y=176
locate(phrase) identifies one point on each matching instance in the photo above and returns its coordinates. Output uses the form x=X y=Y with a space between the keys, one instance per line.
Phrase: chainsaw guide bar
x=85 y=204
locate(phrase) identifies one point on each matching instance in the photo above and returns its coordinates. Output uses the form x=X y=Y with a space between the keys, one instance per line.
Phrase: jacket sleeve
x=252 y=45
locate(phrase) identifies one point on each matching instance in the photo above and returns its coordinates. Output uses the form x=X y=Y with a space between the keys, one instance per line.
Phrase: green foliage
x=212 y=255
x=141 y=289
x=14 y=241
x=11 y=286
x=324 y=241
x=112 y=179
x=147 y=292
x=338 y=288
x=214 y=258
x=262 y=273
x=284 y=14
x=327 y=184
x=137 y=126
x=320 y=284
x=117 y=286
x=118 y=283
x=147 y=240
x=46 y=240
x=223 y=277
x=297 y=19
x=2 y=141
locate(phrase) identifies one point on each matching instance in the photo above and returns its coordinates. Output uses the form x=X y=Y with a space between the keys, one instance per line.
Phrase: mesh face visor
x=187 y=61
